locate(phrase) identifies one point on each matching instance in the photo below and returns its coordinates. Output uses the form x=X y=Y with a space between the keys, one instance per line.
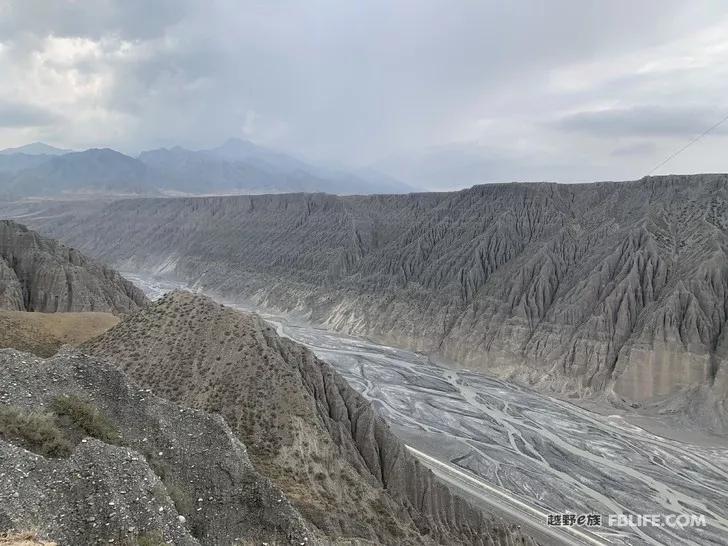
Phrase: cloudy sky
x=440 y=93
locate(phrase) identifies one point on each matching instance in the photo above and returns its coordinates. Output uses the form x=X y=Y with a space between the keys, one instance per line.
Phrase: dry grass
x=23 y=538
x=34 y=431
x=54 y=433
x=72 y=411
x=43 y=333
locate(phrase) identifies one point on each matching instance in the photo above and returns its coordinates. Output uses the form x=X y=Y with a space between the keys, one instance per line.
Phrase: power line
x=693 y=141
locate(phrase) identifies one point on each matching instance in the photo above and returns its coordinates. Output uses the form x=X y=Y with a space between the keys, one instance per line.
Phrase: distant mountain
x=235 y=149
x=238 y=167
x=200 y=172
x=13 y=163
x=93 y=171
x=244 y=167
x=36 y=148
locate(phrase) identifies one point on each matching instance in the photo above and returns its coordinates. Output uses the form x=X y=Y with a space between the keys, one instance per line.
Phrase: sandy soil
x=44 y=333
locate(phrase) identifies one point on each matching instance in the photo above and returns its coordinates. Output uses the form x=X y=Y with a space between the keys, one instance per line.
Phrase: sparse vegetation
x=37 y=432
x=86 y=417
x=182 y=500
x=54 y=433
x=43 y=333
x=256 y=386
x=151 y=538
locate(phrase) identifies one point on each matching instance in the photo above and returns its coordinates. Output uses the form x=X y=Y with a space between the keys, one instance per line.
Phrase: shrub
x=86 y=417
x=37 y=432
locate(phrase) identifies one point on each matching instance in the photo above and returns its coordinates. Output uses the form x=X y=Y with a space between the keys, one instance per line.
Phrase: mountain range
x=238 y=166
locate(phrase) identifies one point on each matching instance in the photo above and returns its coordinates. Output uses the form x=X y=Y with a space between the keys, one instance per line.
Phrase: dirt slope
x=315 y=437
x=44 y=333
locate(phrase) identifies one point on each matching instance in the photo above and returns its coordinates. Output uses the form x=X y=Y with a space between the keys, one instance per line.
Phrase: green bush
x=37 y=432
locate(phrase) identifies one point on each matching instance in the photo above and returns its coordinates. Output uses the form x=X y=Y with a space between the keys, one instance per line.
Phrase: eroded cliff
x=40 y=274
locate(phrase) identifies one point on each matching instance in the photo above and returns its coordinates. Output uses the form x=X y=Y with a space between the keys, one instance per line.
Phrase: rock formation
x=40 y=274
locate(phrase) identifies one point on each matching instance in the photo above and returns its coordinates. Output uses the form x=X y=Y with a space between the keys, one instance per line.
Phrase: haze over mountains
x=35 y=148
x=39 y=170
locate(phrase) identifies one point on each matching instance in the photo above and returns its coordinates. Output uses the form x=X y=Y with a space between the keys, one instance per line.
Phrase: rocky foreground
x=232 y=436
x=87 y=457
x=616 y=288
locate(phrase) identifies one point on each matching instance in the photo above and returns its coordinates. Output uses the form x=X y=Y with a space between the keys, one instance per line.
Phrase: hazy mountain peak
x=35 y=148
x=101 y=152
x=237 y=149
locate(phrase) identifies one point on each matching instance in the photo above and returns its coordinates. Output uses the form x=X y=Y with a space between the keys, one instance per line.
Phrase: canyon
x=616 y=291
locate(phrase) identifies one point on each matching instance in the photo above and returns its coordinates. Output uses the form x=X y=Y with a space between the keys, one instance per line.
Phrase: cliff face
x=617 y=287
x=316 y=438
x=88 y=457
x=40 y=274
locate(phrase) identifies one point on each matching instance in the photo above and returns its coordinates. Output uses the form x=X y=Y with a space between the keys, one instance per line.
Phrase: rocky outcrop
x=582 y=289
x=40 y=274
x=11 y=292
x=136 y=469
x=315 y=437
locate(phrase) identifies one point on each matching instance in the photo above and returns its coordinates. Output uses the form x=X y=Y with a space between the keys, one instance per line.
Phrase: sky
x=442 y=94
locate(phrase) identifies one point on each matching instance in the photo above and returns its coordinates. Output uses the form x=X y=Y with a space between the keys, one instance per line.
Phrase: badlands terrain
x=613 y=290
x=191 y=423
x=40 y=274
x=610 y=295
x=532 y=449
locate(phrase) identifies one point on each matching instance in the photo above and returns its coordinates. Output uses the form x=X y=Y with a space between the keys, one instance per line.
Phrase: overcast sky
x=441 y=93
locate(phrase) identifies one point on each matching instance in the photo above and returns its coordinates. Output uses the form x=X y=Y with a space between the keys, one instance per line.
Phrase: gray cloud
x=635 y=149
x=127 y=19
x=378 y=82
x=18 y=115
x=674 y=121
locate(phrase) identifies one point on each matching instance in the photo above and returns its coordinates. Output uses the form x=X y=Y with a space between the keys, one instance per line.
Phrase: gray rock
x=40 y=274
x=166 y=458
